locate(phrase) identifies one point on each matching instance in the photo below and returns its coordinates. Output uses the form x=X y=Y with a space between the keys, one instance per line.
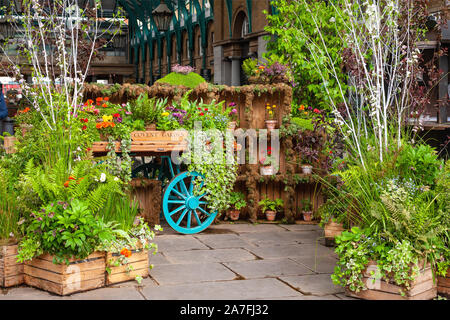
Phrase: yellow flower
x=270 y=112
x=268 y=107
x=305 y=113
x=274 y=106
x=165 y=114
x=107 y=118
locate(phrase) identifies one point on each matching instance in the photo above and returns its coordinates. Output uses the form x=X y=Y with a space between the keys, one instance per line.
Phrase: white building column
x=219 y=73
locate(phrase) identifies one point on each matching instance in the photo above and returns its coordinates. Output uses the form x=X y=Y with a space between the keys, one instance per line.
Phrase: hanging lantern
x=162 y=16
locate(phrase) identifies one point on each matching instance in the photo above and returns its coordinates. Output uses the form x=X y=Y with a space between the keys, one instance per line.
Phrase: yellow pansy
x=165 y=114
x=107 y=118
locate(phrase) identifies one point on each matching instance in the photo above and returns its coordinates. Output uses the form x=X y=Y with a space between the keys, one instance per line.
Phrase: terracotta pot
x=270 y=215
x=307 y=215
x=271 y=124
x=267 y=170
x=307 y=169
x=234 y=215
x=150 y=127
x=232 y=125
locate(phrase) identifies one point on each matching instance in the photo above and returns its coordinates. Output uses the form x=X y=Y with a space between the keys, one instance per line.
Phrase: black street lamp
x=163 y=16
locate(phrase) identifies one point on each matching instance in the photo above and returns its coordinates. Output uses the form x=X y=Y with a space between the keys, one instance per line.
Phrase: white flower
x=116 y=179
x=332 y=20
x=103 y=177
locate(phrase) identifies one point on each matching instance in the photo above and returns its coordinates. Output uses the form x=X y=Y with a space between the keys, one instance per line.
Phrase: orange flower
x=106 y=99
x=125 y=252
x=99 y=125
x=99 y=99
x=104 y=105
x=90 y=101
x=66 y=184
x=112 y=124
x=301 y=108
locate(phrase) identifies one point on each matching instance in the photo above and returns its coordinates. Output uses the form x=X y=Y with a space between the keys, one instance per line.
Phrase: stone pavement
x=227 y=262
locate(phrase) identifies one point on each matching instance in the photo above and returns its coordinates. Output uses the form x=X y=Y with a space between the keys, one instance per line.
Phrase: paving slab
x=267 y=268
x=223 y=290
x=317 y=264
x=109 y=293
x=317 y=284
x=248 y=227
x=158 y=259
x=301 y=227
x=178 y=243
x=202 y=256
x=222 y=241
x=308 y=237
x=292 y=250
x=27 y=293
x=271 y=238
x=190 y=273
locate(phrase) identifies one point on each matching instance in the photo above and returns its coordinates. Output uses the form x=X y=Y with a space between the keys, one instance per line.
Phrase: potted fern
x=306 y=209
x=270 y=207
x=237 y=202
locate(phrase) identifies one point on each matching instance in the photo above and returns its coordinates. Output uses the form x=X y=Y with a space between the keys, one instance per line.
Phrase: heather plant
x=182 y=69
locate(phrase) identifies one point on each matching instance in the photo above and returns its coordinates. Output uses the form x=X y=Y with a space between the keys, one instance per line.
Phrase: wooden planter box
x=63 y=279
x=11 y=272
x=423 y=288
x=332 y=229
x=443 y=284
x=138 y=261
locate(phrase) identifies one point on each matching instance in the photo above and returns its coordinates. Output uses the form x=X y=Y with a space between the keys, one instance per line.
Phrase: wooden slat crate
x=63 y=279
x=138 y=262
x=443 y=285
x=9 y=144
x=423 y=288
x=11 y=272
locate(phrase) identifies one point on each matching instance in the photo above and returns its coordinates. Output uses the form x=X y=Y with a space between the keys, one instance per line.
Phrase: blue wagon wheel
x=184 y=211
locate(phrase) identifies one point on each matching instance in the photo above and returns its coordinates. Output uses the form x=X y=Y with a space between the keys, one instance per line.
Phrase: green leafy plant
x=64 y=230
x=237 y=200
x=270 y=205
x=306 y=205
x=250 y=66
x=190 y=80
x=146 y=109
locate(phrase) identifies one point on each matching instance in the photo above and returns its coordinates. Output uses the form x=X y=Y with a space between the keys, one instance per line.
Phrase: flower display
x=125 y=252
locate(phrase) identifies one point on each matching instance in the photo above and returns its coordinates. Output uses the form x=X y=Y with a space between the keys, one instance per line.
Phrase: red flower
x=71 y=178
x=316 y=110
x=206 y=109
x=84 y=128
x=202 y=114
x=66 y=184
x=125 y=252
x=116 y=115
x=85 y=120
x=199 y=108
x=88 y=149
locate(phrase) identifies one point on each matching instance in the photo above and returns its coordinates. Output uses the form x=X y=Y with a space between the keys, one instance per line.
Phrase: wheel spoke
x=177 y=210
x=176 y=201
x=201 y=196
x=202 y=202
x=183 y=186
x=189 y=219
x=204 y=211
x=197 y=218
x=181 y=217
x=179 y=193
x=191 y=186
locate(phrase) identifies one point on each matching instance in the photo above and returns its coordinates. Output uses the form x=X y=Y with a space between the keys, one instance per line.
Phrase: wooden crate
x=423 y=288
x=443 y=285
x=63 y=279
x=11 y=272
x=138 y=261
x=10 y=144
x=332 y=229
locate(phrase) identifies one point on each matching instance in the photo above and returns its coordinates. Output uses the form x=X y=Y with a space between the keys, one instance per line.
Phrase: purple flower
x=32 y=215
x=51 y=215
x=234 y=111
x=128 y=112
x=119 y=119
x=182 y=69
x=39 y=218
x=232 y=104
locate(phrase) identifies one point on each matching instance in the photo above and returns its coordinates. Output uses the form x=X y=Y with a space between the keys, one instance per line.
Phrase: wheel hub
x=192 y=203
